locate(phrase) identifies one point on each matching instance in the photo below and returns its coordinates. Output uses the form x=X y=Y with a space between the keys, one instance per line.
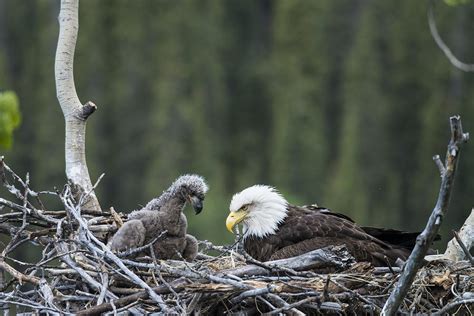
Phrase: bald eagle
x=275 y=229
x=165 y=214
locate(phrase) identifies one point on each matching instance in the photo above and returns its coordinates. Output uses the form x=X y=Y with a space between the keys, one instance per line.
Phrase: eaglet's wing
x=130 y=235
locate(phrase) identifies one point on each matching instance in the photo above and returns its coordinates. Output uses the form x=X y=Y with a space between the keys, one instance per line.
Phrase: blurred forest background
x=342 y=103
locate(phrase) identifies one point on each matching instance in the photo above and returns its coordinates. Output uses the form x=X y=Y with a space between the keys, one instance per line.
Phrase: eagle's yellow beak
x=234 y=218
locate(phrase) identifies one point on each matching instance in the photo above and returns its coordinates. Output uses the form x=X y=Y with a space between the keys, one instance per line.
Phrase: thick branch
x=75 y=113
x=329 y=257
x=453 y=306
x=17 y=274
x=454 y=250
x=425 y=239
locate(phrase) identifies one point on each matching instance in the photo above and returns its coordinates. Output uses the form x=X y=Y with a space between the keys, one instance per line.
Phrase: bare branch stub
x=440 y=165
x=457 y=134
x=425 y=239
x=86 y=110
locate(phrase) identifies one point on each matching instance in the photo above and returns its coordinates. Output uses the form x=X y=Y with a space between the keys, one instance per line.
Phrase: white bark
x=466 y=233
x=75 y=114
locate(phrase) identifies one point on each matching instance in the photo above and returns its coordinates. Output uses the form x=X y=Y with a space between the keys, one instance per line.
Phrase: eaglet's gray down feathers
x=164 y=216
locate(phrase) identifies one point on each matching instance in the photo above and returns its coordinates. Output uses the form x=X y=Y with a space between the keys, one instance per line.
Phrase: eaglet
x=163 y=216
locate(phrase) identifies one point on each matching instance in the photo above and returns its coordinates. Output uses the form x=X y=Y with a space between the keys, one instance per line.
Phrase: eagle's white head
x=259 y=208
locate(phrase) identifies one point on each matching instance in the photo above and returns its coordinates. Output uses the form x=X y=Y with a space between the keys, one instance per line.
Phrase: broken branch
x=425 y=239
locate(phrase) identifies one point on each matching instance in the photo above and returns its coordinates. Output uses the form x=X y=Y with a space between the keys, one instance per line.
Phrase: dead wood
x=426 y=238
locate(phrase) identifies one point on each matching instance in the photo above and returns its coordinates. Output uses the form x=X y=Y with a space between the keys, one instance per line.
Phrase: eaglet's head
x=193 y=189
x=259 y=208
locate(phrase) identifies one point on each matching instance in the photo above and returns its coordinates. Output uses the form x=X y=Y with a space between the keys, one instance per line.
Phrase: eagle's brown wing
x=326 y=211
x=388 y=235
x=305 y=229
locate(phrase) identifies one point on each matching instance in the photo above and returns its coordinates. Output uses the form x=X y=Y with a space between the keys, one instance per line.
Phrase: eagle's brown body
x=308 y=228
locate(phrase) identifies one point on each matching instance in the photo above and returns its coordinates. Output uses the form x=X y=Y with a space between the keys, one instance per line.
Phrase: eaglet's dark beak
x=197 y=204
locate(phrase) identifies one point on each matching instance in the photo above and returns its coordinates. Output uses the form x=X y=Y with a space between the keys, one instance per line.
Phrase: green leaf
x=10 y=117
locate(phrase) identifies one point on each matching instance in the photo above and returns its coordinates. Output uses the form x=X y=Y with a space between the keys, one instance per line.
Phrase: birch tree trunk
x=75 y=114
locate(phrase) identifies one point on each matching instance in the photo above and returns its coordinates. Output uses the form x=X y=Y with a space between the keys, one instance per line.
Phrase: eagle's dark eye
x=245 y=207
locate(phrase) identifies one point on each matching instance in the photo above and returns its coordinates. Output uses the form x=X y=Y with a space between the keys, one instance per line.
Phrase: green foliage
x=10 y=117
x=456 y=2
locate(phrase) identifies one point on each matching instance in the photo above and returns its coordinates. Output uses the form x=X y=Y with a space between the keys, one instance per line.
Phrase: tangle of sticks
x=76 y=273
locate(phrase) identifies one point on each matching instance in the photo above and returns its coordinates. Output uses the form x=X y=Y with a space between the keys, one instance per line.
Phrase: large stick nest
x=77 y=273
